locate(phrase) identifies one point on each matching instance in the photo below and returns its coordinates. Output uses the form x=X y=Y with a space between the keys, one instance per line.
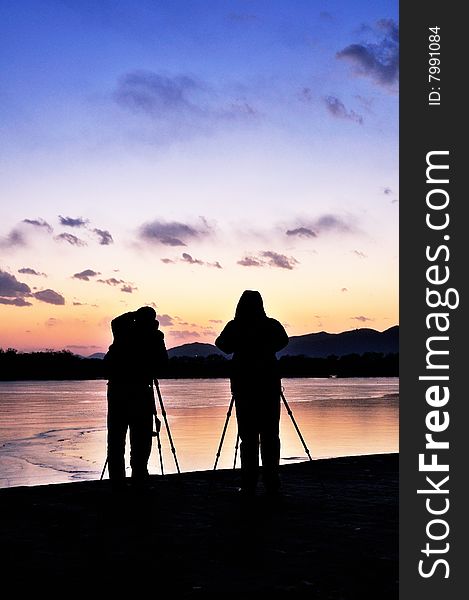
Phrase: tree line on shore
x=64 y=365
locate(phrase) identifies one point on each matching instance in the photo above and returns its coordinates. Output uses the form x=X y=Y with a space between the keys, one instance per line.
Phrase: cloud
x=167 y=261
x=215 y=321
x=39 y=223
x=73 y=222
x=173 y=233
x=105 y=238
x=111 y=281
x=70 y=238
x=249 y=261
x=128 y=289
x=269 y=258
x=333 y=223
x=11 y=287
x=192 y=261
x=387 y=191
x=305 y=95
x=29 y=271
x=215 y=264
x=85 y=275
x=184 y=334
x=359 y=253
x=302 y=232
x=52 y=322
x=327 y=223
x=165 y=320
x=19 y=235
x=178 y=106
x=14 y=238
x=15 y=302
x=344 y=289
x=362 y=319
x=378 y=61
x=337 y=109
x=279 y=260
x=156 y=94
x=50 y=297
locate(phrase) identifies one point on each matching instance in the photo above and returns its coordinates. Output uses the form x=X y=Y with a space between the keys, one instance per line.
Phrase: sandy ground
x=332 y=535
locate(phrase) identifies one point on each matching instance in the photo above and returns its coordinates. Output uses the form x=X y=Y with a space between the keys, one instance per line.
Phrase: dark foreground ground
x=333 y=535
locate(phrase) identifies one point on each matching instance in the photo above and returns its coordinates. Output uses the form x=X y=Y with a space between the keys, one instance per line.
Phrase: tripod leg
x=228 y=415
x=301 y=438
x=236 y=451
x=295 y=425
x=104 y=469
x=156 y=434
x=163 y=412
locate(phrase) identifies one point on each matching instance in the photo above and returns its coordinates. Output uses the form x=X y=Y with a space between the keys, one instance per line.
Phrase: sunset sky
x=176 y=152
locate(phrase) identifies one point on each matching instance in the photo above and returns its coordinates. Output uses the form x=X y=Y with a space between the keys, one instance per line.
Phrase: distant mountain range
x=320 y=345
x=357 y=341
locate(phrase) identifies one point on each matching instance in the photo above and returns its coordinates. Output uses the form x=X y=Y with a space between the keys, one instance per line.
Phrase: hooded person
x=135 y=358
x=253 y=339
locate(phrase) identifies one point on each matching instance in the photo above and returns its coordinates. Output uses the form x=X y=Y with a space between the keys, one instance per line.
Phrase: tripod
x=228 y=415
x=156 y=433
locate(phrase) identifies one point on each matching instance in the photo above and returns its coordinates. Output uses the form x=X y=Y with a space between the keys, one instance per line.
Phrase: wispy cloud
x=52 y=322
x=173 y=233
x=39 y=223
x=104 y=237
x=187 y=258
x=85 y=275
x=327 y=223
x=126 y=287
x=250 y=261
x=13 y=239
x=15 y=302
x=73 y=240
x=269 y=258
x=165 y=320
x=279 y=260
x=178 y=106
x=337 y=109
x=73 y=222
x=302 y=232
x=378 y=60
x=157 y=94
x=192 y=261
x=359 y=253
x=29 y=271
x=361 y=318
x=184 y=334
x=50 y=297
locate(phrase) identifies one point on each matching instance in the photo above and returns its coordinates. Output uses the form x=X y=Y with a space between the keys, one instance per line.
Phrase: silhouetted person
x=135 y=358
x=253 y=339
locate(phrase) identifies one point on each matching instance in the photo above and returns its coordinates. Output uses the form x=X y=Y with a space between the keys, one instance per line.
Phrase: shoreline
x=333 y=534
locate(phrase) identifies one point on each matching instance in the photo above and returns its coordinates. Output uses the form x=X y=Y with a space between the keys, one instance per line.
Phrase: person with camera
x=135 y=358
x=254 y=338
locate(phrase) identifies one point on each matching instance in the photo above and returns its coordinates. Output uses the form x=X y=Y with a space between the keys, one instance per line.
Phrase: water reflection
x=56 y=431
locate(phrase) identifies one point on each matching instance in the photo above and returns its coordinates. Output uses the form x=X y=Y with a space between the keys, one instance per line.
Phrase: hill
x=316 y=345
x=357 y=341
x=195 y=349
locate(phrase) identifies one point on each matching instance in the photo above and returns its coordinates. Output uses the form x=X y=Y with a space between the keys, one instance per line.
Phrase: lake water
x=55 y=431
